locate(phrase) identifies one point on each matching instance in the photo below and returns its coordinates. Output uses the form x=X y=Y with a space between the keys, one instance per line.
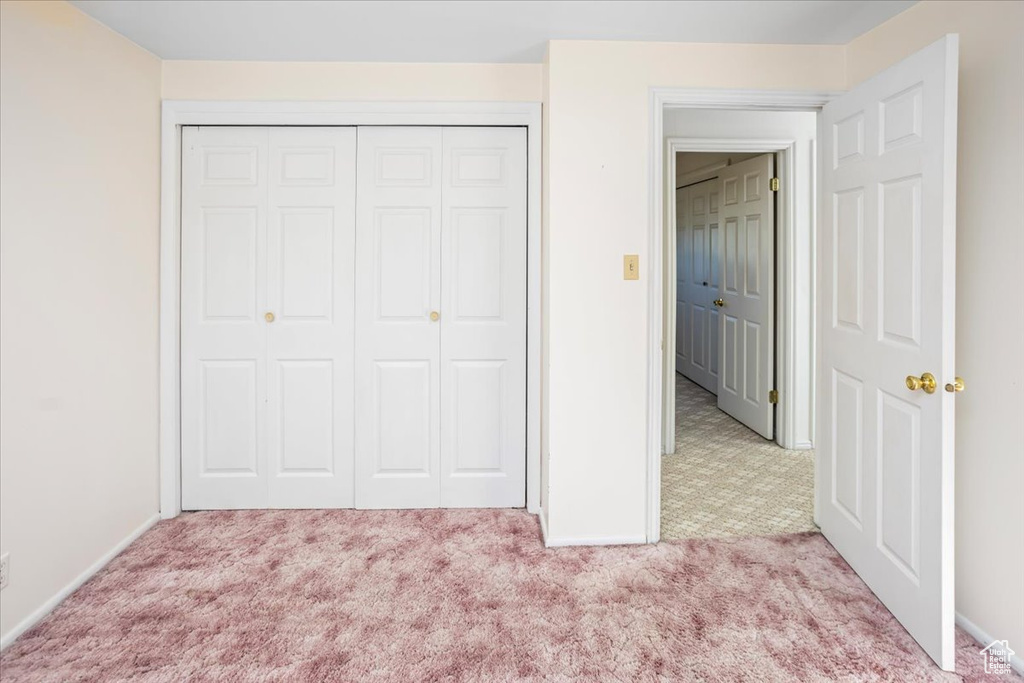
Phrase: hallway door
x=887 y=256
x=746 y=297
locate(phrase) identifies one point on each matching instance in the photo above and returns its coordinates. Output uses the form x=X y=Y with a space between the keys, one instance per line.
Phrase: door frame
x=178 y=113
x=660 y=354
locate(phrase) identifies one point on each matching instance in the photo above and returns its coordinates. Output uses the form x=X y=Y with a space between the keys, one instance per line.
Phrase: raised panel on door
x=483 y=318
x=223 y=336
x=310 y=294
x=886 y=288
x=746 y=317
x=398 y=286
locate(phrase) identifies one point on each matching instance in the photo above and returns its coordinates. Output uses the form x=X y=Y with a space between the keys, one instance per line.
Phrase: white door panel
x=398 y=286
x=223 y=336
x=886 y=259
x=267 y=227
x=747 y=318
x=483 y=318
x=697 y=226
x=310 y=286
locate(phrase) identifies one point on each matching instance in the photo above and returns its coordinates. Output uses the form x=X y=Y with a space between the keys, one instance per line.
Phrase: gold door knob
x=956 y=386
x=719 y=302
x=925 y=383
x=435 y=316
x=269 y=317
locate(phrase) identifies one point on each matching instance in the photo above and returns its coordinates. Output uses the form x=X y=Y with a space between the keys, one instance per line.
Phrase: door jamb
x=657 y=346
x=178 y=113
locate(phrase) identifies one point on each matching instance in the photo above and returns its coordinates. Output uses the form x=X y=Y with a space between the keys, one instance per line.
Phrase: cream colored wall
x=196 y=80
x=597 y=175
x=79 y=130
x=990 y=317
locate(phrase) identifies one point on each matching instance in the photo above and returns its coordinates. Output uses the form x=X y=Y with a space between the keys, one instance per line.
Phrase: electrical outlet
x=5 y=570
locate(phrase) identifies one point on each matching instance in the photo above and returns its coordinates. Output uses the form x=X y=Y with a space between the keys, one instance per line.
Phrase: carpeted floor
x=725 y=480
x=466 y=595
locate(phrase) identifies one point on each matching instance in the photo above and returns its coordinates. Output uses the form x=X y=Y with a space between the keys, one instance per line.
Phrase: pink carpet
x=464 y=596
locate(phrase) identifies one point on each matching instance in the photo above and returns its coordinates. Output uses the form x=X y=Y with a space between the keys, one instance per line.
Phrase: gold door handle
x=957 y=386
x=925 y=383
x=269 y=317
x=719 y=302
x=435 y=316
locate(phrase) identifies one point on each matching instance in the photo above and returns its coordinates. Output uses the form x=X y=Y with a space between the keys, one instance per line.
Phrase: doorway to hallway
x=725 y=480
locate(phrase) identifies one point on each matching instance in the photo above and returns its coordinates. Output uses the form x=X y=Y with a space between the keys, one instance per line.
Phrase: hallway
x=725 y=480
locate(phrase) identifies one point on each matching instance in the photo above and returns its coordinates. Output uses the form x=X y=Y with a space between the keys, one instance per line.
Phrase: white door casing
x=886 y=281
x=483 y=317
x=398 y=287
x=267 y=227
x=696 y=288
x=747 y=288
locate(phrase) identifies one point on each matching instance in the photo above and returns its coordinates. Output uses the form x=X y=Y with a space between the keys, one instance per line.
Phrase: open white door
x=746 y=298
x=886 y=255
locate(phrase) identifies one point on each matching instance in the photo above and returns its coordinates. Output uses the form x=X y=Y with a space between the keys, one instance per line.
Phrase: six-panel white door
x=746 y=299
x=441 y=318
x=886 y=256
x=398 y=295
x=483 y=317
x=266 y=317
x=697 y=238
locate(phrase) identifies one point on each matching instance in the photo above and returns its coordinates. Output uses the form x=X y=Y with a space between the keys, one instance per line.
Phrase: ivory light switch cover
x=631 y=267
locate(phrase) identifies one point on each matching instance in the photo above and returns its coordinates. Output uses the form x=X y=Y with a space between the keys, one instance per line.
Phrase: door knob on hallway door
x=956 y=386
x=925 y=383
x=269 y=317
x=435 y=316
x=719 y=302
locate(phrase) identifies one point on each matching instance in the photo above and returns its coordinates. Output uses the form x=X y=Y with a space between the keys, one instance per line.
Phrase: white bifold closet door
x=441 y=318
x=267 y=289
x=697 y=282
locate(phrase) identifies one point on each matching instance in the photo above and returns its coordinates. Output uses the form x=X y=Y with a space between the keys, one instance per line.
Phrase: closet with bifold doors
x=353 y=317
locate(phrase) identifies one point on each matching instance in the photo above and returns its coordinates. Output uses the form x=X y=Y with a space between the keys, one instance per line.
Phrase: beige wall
x=990 y=324
x=597 y=175
x=79 y=130
x=190 y=80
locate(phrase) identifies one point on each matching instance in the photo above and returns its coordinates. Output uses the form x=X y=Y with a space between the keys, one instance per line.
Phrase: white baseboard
x=594 y=540
x=984 y=638
x=48 y=606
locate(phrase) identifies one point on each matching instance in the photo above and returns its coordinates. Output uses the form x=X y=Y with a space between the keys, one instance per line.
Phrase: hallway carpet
x=726 y=480
x=464 y=595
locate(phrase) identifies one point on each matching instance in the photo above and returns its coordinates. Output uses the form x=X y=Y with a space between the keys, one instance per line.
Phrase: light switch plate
x=631 y=267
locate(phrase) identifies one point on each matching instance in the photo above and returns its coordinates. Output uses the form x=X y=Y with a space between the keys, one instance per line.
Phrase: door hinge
x=773 y=396
x=773 y=184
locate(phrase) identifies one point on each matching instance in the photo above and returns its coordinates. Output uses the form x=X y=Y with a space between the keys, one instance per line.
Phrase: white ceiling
x=512 y=31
